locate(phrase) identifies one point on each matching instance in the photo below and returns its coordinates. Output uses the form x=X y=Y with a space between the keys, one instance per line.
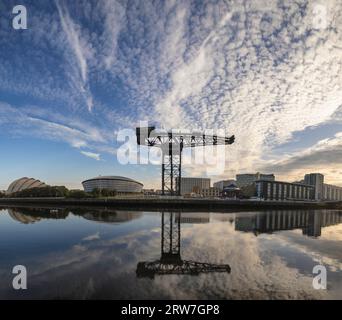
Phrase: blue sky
x=269 y=72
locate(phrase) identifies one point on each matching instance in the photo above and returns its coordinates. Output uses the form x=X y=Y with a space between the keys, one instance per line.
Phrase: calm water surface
x=104 y=253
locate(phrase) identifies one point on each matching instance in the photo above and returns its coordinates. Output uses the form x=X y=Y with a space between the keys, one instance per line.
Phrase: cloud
x=256 y=263
x=80 y=49
x=260 y=70
x=95 y=156
x=23 y=121
x=95 y=236
x=325 y=156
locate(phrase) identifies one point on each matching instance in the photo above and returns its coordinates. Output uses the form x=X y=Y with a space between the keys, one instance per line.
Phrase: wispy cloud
x=262 y=70
x=95 y=156
x=325 y=156
x=80 y=48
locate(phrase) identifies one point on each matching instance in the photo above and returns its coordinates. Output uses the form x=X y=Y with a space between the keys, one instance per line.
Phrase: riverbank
x=168 y=203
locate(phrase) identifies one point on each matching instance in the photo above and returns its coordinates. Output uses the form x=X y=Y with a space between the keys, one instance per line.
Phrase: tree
x=48 y=191
x=96 y=192
x=78 y=194
x=108 y=193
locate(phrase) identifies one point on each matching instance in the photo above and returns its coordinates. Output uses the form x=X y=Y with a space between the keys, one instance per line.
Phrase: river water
x=88 y=253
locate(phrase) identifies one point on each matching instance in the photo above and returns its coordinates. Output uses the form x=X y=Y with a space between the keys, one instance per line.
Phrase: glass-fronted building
x=246 y=179
x=117 y=183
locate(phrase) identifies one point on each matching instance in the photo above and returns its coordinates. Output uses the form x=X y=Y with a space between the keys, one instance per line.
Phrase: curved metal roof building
x=117 y=183
x=24 y=183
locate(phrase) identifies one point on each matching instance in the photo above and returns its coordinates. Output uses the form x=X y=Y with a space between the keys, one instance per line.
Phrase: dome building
x=117 y=183
x=25 y=183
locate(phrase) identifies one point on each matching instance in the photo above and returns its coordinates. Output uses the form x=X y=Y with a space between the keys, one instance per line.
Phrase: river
x=103 y=253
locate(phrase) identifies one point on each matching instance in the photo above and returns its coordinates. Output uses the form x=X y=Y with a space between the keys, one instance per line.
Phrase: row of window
x=331 y=193
x=277 y=190
x=118 y=185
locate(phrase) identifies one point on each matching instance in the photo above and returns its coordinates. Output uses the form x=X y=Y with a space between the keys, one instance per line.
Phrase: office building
x=278 y=190
x=193 y=185
x=224 y=183
x=246 y=179
x=316 y=180
x=211 y=192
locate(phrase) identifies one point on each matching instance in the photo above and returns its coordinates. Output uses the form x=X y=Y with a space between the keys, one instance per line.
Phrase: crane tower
x=171 y=145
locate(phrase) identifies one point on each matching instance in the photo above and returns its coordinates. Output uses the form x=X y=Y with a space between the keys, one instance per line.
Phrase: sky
x=269 y=72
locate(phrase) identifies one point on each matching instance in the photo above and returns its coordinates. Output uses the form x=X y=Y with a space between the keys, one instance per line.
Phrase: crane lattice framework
x=170 y=261
x=171 y=145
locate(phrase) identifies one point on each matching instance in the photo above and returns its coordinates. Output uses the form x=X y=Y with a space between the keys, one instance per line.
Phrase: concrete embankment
x=168 y=203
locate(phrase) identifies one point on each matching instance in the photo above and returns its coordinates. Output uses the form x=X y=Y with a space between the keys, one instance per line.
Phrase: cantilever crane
x=171 y=145
x=170 y=261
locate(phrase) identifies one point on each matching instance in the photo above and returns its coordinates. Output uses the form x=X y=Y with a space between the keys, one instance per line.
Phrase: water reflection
x=140 y=255
x=31 y=215
x=310 y=222
x=111 y=216
x=170 y=261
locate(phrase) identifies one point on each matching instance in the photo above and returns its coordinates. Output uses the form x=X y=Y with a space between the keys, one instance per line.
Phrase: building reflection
x=111 y=216
x=30 y=215
x=310 y=222
x=170 y=261
x=193 y=217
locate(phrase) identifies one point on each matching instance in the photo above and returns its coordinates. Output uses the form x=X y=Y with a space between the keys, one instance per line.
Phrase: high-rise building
x=224 y=183
x=246 y=179
x=189 y=185
x=316 y=180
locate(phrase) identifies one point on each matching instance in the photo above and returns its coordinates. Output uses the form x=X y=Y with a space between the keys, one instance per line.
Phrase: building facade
x=224 y=183
x=278 y=190
x=246 y=179
x=189 y=185
x=23 y=184
x=231 y=192
x=316 y=180
x=332 y=193
x=211 y=192
x=117 y=183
